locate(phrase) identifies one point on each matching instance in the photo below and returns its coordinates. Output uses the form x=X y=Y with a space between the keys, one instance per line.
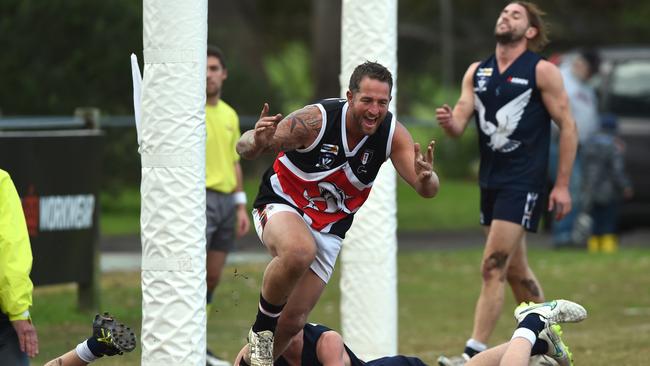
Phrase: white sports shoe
x=556 y=311
x=454 y=360
x=556 y=347
x=261 y=347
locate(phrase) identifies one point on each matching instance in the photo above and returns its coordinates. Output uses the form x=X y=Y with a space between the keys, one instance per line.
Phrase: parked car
x=623 y=87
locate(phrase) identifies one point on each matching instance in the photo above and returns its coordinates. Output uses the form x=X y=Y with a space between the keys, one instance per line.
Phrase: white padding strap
x=158 y=56
x=168 y=160
x=167 y=264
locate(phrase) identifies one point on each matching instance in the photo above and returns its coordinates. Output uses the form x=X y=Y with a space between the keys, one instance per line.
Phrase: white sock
x=84 y=352
x=525 y=333
x=476 y=345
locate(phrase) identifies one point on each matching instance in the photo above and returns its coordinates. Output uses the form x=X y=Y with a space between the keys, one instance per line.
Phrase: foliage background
x=61 y=54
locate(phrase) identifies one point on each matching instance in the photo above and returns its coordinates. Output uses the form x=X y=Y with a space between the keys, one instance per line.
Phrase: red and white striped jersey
x=326 y=181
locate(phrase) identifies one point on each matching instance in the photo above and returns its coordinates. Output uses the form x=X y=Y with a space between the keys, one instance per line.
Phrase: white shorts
x=329 y=245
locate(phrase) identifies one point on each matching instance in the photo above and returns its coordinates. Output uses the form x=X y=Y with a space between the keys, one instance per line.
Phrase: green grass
x=455 y=207
x=437 y=293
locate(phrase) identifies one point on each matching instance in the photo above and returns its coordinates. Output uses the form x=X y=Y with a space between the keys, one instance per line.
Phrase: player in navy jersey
x=327 y=157
x=538 y=333
x=513 y=95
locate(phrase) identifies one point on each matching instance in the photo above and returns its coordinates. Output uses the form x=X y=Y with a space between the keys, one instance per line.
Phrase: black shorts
x=220 y=216
x=521 y=207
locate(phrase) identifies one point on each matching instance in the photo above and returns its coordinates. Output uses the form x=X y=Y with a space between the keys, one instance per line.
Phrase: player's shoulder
x=547 y=74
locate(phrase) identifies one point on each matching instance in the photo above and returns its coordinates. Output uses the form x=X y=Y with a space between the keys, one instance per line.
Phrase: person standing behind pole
x=584 y=105
x=226 y=215
x=513 y=94
x=18 y=338
x=605 y=184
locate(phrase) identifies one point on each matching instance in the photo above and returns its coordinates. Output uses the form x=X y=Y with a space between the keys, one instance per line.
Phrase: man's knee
x=494 y=266
x=298 y=256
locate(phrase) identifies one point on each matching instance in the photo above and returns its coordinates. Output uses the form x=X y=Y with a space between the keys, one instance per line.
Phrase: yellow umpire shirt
x=15 y=253
x=222 y=129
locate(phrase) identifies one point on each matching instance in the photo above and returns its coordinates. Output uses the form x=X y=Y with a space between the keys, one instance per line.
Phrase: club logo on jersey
x=507 y=118
x=327 y=156
x=481 y=85
x=518 y=81
x=331 y=199
x=366 y=156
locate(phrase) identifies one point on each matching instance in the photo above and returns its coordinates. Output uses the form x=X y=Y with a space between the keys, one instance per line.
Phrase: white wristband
x=240 y=198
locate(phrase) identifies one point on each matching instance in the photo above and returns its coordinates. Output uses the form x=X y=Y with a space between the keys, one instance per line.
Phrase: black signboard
x=58 y=175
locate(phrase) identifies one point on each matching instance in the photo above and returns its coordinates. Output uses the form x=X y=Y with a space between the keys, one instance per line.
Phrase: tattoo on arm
x=295 y=119
x=298 y=129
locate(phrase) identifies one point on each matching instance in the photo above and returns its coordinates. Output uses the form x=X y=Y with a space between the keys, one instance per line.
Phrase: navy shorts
x=521 y=207
x=220 y=216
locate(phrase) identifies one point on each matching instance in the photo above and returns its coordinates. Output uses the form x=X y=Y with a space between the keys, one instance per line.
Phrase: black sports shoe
x=113 y=337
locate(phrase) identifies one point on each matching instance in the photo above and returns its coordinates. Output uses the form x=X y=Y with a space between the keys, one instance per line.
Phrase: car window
x=632 y=79
x=629 y=88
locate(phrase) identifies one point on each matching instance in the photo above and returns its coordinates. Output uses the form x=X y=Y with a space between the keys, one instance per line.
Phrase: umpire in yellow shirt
x=18 y=337
x=225 y=200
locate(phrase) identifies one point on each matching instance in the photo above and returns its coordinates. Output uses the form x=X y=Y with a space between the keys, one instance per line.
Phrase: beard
x=508 y=37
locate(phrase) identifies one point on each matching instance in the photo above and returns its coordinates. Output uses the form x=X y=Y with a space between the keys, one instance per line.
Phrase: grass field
x=437 y=293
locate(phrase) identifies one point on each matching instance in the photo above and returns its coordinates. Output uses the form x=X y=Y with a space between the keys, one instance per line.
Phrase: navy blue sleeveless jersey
x=327 y=182
x=513 y=125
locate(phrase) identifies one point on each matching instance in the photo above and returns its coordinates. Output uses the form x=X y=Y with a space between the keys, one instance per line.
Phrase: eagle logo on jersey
x=508 y=118
x=331 y=199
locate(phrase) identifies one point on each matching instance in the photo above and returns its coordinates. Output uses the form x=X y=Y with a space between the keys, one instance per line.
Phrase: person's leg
x=502 y=242
x=220 y=240
x=291 y=243
x=215 y=261
x=10 y=352
x=294 y=316
x=109 y=338
x=522 y=280
x=609 y=240
x=219 y=237
x=517 y=353
x=490 y=357
x=69 y=359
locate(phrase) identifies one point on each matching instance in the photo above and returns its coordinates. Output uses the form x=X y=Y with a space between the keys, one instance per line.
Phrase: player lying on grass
x=537 y=333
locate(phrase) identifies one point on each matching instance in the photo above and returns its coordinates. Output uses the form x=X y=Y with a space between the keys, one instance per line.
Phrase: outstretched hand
x=444 y=116
x=265 y=127
x=424 y=163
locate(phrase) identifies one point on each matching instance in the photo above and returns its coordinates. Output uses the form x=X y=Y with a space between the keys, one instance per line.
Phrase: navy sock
x=540 y=347
x=471 y=352
x=267 y=316
x=532 y=322
x=95 y=347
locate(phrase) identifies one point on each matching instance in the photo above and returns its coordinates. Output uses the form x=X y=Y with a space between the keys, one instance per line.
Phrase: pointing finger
x=416 y=148
x=265 y=110
x=432 y=146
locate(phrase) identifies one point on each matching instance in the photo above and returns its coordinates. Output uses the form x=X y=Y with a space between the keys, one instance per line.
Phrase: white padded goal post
x=368 y=259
